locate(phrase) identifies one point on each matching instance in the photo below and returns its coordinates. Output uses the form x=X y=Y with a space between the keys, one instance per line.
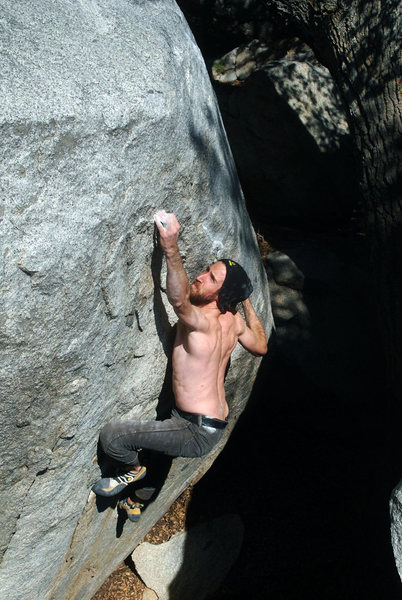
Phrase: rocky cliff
x=107 y=114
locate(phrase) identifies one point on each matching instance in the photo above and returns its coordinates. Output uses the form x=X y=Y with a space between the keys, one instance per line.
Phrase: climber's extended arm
x=177 y=285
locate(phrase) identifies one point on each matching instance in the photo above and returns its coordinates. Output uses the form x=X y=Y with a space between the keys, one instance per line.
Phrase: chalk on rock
x=192 y=564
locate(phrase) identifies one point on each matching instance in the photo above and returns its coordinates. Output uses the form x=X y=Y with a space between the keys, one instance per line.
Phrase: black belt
x=202 y=420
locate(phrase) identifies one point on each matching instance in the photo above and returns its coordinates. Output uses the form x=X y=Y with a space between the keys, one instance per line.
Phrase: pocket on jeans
x=201 y=443
x=193 y=448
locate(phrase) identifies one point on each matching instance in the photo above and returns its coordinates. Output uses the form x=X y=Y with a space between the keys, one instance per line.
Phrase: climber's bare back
x=199 y=364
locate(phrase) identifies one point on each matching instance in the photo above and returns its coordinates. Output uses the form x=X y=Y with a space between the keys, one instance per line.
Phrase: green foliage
x=219 y=66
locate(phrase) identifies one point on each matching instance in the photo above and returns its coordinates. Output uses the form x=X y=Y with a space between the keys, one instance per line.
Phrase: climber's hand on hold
x=169 y=228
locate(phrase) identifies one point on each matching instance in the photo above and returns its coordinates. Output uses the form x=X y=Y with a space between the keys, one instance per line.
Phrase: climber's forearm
x=177 y=285
x=257 y=341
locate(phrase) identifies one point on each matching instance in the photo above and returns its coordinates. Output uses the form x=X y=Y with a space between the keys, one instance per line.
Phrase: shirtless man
x=207 y=332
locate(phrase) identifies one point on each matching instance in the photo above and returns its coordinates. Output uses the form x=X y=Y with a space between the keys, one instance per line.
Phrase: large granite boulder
x=107 y=114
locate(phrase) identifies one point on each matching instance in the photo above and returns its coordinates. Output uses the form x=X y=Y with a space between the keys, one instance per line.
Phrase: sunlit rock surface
x=107 y=114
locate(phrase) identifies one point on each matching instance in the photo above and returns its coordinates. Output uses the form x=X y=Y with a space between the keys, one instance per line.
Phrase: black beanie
x=236 y=287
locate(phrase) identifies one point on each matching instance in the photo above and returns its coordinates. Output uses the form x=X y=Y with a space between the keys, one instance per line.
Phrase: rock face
x=107 y=114
x=193 y=563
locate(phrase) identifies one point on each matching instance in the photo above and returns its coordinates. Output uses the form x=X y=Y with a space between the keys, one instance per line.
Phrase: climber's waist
x=202 y=420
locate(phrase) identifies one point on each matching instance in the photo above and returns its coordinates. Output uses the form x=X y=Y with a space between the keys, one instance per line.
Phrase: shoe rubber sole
x=105 y=487
x=133 y=514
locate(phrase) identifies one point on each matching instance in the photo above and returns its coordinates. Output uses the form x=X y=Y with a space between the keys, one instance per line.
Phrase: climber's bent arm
x=252 y=335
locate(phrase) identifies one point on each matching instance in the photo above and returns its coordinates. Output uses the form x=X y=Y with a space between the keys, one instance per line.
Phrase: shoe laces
x=134 y=505
x=125 y=478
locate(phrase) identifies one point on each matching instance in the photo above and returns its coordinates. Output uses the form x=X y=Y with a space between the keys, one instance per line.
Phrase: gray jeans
x=174 y=437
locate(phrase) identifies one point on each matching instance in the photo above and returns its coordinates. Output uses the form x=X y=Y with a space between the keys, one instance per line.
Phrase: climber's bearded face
x=207 y=285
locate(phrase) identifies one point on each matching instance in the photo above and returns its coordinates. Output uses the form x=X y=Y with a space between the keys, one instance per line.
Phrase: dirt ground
x=124 y=583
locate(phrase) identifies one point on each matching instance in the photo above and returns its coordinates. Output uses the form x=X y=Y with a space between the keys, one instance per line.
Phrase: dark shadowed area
x=311 y=483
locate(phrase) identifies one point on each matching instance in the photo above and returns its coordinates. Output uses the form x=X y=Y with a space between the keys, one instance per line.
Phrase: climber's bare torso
x=205 y=336
x=199 y=364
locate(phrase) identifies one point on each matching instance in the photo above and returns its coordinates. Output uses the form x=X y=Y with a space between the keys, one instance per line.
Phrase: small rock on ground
x=124 y=583
x=192 y=564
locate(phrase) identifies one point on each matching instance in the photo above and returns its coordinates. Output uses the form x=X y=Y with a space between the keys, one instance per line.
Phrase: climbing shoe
x=133 y=511
x=110 y=486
